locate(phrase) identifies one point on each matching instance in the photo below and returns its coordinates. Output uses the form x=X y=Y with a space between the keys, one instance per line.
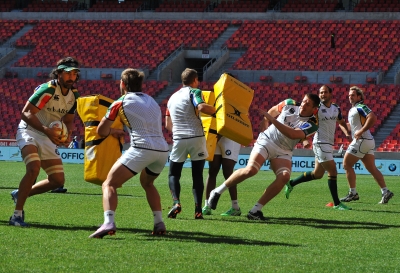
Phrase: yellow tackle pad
x=232 y=101
x=100 y=153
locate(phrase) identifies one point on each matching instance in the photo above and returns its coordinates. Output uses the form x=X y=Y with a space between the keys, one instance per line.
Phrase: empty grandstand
x=279 y=48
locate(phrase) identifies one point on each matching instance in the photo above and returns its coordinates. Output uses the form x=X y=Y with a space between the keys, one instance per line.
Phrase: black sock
x=175 y=170
x=306 y=176
x=332 y=184
x=198 y=184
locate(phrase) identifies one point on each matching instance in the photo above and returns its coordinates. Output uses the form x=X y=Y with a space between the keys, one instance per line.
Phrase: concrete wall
x=86 y=73
x=172 y=71
x=313 y=76
x=149 y=15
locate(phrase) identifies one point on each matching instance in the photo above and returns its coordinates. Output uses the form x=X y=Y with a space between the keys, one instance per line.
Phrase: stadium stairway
x=219 y=43
x=20 y=52
x=387 y=126
x=233 y=57
x=389 y=77
x=167 y=92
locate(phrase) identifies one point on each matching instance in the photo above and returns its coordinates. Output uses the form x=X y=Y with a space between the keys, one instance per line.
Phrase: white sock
x=384 y=190
x=221 y=188
x=157 y=217
x=235 y=204
x=109 y=216
x=257 y=207
x=17 y=213
x=206 y=202
x=353 y=190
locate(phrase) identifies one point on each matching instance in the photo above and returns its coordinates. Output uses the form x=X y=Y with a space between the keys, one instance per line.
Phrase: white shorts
x=269 y=150
x=323 y=152
x=195 y=147
x=46 y=149
x=228 y=148
x=138 y=159
x=361 y=147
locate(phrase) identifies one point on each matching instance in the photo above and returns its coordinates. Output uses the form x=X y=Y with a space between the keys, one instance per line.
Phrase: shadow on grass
x=379 y=211
x=77 y=193
x=9 y=188
x=97 y=194
x=207 y=238
x=330 y=224
x=314 y=223
x=180 y=236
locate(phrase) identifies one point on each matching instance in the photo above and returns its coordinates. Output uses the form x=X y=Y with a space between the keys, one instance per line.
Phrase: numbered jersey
x=289 y=115
x=52 y=104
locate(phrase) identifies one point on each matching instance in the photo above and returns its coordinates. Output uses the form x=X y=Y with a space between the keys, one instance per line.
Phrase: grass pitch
x=302 y=234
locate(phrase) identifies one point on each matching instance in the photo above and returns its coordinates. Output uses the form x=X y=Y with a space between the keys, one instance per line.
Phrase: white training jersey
x=327 y=118
x=357 y=118
x=289 y=115
x=52 y=104
x=142 y=115
x=182 y=107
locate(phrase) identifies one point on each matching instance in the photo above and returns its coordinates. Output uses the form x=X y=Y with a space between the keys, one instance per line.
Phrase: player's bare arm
x=104 y=129
x=68 y=120
x=206 y=108
x=29 y=116
x=345 y=129
x=284 y=129
x=369 y=122
x=273 y=111
x=168 y=123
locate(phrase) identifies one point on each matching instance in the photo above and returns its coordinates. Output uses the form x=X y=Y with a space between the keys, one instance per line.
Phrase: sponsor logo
x=228 y=152
x=236 y=116
x=292 y=111
x=392 y=167
x=72 y=155
x=200 y=154
x=59 y=110
x=15 y=155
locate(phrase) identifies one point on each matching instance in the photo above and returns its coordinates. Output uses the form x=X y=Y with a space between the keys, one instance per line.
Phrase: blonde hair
x=359 y=91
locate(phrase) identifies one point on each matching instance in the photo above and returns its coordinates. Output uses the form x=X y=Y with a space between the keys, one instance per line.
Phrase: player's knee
x=332 y=174
x=32 y=162
x=33 y=170
x=250 y=171
x=213 y=173
x=283 y=174
x=346 y=166
x=227 y=174
x=318 y=175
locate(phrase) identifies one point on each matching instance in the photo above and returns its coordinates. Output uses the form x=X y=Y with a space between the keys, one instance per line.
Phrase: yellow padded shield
x=209 y=125
x=100 y=153
x=232 y=101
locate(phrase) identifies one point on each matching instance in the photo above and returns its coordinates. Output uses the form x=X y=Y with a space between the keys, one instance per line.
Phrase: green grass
x=302 y=235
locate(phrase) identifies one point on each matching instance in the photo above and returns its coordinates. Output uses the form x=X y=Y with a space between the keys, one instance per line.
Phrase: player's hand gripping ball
x=62 y=128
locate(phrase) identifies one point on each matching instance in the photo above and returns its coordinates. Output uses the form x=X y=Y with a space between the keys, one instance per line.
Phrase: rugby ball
x=62 y=129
